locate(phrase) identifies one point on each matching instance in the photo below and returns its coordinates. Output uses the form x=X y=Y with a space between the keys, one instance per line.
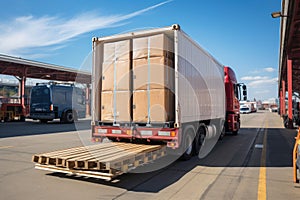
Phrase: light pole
x=278 y=14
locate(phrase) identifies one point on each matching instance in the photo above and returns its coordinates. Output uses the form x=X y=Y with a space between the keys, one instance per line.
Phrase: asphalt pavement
x=255 y=164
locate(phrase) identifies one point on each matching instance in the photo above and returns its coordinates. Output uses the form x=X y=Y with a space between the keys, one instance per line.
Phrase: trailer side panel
x=201 y=93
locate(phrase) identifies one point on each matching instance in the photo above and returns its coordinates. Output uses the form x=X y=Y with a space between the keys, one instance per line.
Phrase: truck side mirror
x=244 y=87
x=242 y=90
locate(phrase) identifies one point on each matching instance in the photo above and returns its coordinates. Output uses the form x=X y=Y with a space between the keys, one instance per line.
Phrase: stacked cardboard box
x=153 y=79
x=115 y=106
x=116 y=75
x=156 y=104
x=153 y=46
x=115 y=91
x=155 y=71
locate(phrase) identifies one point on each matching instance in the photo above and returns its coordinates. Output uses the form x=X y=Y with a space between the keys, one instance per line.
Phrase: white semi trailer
x=157 y=85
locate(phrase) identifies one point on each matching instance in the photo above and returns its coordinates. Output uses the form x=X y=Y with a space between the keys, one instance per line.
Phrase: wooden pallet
x=104 y=160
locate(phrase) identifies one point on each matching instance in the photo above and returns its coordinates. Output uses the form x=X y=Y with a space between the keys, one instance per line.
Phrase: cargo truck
x=159 y=85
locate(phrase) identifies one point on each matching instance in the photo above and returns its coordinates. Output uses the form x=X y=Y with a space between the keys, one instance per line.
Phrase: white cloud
x=263 y=82
x=261 y=70
x=269 y=69
x=259 y=81
x=251 y=78
x=261 y=87
x=262 y=91
x=28 y=32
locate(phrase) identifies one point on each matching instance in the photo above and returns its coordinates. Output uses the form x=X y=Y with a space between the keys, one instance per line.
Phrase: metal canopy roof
x=32 y=69
x=290 y=43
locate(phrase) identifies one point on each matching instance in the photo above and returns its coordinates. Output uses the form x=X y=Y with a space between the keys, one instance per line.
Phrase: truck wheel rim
x=189 y=144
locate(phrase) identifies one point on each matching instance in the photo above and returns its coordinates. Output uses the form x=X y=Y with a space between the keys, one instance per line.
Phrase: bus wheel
x=69 y=117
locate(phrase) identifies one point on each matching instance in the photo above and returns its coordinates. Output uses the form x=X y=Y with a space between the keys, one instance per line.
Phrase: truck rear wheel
x=188 y=146
x=223 y=132
x=199 y=140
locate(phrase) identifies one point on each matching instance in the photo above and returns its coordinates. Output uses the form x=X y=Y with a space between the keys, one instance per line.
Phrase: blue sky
x=240 y=34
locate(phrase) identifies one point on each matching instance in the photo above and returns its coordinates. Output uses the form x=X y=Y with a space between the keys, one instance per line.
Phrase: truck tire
x=199 y=140
x=237 y=131
x=223 y=132
x=188 y=146
x=68 y=117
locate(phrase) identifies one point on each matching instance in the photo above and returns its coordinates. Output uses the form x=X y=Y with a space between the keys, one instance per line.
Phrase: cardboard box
x=122 y=71
x=121 y=104
x=160 y=45
x=161 y=73
x=161 y=105
x=116 y=51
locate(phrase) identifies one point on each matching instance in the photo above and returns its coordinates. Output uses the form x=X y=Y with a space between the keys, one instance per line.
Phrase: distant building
x=271 y=103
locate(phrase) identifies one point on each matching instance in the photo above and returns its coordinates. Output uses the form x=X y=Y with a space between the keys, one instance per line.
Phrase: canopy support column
x=290 y=92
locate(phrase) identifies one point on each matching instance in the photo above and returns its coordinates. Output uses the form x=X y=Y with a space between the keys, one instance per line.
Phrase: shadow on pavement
x=232 y=151
x=13 y=129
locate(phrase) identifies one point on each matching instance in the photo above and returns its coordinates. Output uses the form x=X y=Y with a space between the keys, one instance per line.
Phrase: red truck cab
x=233 y=94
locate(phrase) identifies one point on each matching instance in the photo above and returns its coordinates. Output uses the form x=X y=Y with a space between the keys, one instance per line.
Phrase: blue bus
x=52 y=100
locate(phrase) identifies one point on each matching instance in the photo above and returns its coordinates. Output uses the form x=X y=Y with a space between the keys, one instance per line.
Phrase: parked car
x=245 y=110
x=273 y=109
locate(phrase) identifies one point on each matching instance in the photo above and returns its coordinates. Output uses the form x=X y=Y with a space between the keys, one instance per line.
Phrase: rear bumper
x=167 y=135
x=49 y=116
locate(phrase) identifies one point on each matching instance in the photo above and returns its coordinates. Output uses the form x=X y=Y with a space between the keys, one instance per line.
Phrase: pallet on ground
x=105 y=160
